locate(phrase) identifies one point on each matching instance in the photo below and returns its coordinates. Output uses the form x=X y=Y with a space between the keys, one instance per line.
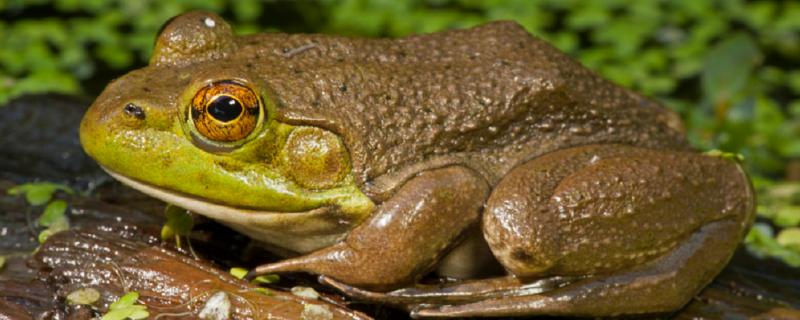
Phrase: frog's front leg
x=644 y=230
x=405 y=237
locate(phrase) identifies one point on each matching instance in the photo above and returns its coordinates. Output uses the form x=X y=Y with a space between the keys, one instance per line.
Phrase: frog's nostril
x=134 y=110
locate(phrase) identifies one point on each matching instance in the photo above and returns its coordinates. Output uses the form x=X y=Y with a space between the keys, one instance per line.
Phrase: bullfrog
x=485 y=156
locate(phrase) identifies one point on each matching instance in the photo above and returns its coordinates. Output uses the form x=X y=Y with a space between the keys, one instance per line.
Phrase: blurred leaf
x=768 y=116
x=794 y=81
x=238 y=273
x=787 y=216
x=246 y=10
x=263 y=291
x=760 y=13
x=56 y=227
x=789 y=18
x=728 y=67
x=761 y=242
x=565 y=41
x=305 y=292
x=588 y=14
x=315 y=311
x=626 y=36
x=266 y=279
x=53 y=214
x=693 y=8
x=794 y=109
x=789 y=238
x=527 y=13
x=128 y=299
x=725 y=155
x=38 y=193
x=86 y=296
x=179 y=223
x=125 y=308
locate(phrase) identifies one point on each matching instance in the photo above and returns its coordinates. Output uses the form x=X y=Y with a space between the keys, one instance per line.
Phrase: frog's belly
x=286 y=242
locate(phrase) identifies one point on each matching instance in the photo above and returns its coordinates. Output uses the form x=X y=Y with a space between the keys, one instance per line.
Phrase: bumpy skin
x=378 y=157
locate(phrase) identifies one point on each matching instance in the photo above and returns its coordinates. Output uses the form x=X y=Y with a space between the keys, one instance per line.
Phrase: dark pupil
x=225 y=108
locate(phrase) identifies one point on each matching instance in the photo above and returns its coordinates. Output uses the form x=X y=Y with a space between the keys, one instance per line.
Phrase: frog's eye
x=225 y=111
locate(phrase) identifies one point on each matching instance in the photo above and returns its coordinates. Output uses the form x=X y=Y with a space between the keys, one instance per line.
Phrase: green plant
x=54 y=218
x=126 y=307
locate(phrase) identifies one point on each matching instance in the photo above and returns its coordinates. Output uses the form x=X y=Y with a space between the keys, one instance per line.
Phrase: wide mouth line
x=184 y=198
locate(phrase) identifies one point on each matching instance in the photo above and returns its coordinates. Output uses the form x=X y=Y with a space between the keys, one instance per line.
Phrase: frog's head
x=196 y=129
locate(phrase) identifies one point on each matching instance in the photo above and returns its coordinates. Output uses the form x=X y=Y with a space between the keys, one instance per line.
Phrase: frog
x=484 y=157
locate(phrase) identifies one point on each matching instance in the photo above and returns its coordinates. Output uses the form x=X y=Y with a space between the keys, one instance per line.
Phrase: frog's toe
x=443 y=311
x=284 y=266
x=505 y=306
x=355 y=292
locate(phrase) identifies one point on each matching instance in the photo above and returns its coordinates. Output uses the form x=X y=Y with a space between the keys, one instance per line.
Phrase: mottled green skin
x=467 y=148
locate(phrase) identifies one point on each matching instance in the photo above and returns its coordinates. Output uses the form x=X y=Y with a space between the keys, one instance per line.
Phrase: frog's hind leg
x=662 y=285
x=647 y=229
x=661 y=280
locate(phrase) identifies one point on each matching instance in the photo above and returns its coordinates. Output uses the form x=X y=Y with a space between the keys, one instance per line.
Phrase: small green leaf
x=2 y=262
x=794 y=80
x=238 y=273
x=117 y=314
x=728 y=67
x=305 y=292
x=53 y=213
x=266 y=279
x=138 y=312
x=760 y=241
x=789 y=238
x=44 y=234
x=589 y=15
x=131 y=312
x=54 y=219
x=315 y=311
x=126 y=300
x=725 y=155
x=247 y=10
x=263 y=291
x=56 y=228
x=85 y=296
x=787 y=216
x=179 y=222
x=38 y=193
x=125 y=308
x=39 y=196
x=167 y=233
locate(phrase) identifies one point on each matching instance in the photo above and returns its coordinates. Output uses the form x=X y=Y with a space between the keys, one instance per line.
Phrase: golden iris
x=225 y=111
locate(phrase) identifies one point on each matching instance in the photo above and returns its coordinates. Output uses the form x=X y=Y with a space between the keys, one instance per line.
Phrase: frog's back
x=490 y=97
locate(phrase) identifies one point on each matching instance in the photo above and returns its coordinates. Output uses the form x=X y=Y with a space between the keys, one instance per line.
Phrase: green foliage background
x=730 y=67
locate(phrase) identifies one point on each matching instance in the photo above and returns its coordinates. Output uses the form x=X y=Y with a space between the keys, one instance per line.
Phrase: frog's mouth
x=300 y=232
